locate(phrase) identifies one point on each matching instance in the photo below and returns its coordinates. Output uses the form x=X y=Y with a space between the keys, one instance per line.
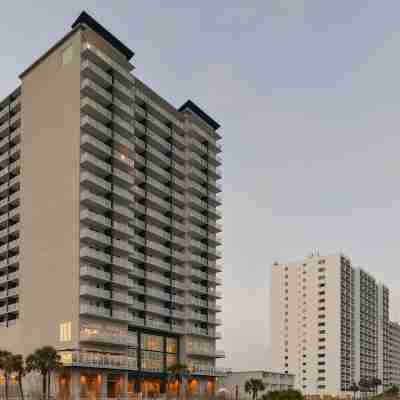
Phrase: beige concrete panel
x=50 y=198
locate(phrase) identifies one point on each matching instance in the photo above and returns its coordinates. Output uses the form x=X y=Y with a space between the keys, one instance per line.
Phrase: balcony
x=95 y=359
x=96 y=336
x=158 y=278
x=204 y=332
x=95 y=128
x=91 y=272
x=137 y=305
x=123 y=92
x=93 y=219
x=158 y=325
x=96 y=92
x=92 y=291
x=137 y=321
x=123 y=127
x=204 y=352
x=122 y=298
x=123 y=213
x=95 y=73
x=95 y=256
x=208 y=371
x=95 y=165
x=95 y=110
x=122 y=263
x=166 y=312
x=120 y=68
x=93 y=201
x=95 y=146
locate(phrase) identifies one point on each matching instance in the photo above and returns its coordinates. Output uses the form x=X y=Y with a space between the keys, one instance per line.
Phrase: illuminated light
x=83 y=379
x=123 y=157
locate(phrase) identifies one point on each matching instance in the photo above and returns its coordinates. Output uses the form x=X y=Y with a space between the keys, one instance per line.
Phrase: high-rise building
x=329 y=324
x=394 y=353
x=109 y=215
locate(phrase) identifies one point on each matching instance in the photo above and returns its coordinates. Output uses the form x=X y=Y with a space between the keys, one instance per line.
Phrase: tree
x=364 y=385
x=393 y=391
x=18 y=366
x=5 y=365
x=354 y=388
x=254 y=386
x=45 y=361
x=375 y=383
x=176 y=372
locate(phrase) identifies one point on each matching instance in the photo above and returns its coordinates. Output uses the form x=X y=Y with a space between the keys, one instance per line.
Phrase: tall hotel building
x=329 y=323
x=109 y=215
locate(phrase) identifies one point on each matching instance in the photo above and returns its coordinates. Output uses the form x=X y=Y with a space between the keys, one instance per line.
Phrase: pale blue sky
x=308 y=95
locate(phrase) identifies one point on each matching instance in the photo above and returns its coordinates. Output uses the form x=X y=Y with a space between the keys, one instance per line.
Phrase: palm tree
x=5 y=365
x=354 y=388
x=254 y=386
x=176 y=372
x=18 y=366
x=375 y=383
x=363 y=385
x=45 y=361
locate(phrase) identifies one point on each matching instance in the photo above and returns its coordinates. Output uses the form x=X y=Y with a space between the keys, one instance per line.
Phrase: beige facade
x=109 y=223
x=321 y=320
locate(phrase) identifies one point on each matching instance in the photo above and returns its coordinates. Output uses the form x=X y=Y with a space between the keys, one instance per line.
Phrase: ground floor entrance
x=94 y=384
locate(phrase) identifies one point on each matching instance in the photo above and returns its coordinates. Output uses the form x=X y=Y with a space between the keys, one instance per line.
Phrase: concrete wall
x=50 y=198
x=295 y=319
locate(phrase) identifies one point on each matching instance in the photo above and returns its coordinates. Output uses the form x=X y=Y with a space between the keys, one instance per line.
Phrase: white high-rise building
x=329 y=323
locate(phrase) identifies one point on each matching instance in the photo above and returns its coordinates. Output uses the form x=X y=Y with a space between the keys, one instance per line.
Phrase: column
x=124 y=386
x=202 y=386
x=104 y=384
x=75 y=384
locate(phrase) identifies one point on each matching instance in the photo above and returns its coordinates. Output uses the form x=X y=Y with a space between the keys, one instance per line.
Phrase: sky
x=308 y=96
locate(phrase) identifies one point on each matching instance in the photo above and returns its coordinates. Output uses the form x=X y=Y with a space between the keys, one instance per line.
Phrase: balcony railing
x=97 y=360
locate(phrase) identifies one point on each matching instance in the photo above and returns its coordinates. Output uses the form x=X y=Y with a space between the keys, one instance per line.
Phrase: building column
x=124 y=386
x=104 y=384
x=75 y=384
x=202 y=386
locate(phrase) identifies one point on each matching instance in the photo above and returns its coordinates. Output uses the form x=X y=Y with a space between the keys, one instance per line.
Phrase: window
x=65 y=331
x=321 y=269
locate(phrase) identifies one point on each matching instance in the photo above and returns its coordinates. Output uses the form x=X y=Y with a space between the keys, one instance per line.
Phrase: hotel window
x=65 y=332
x=152 y=342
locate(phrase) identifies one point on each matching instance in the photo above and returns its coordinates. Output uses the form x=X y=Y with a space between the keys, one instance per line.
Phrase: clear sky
x=308 y=95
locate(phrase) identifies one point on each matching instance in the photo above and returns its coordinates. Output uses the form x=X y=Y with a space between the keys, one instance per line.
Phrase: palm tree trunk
x=48 y=384
x=21 y=391
x=6 y=385
x=44 y=385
